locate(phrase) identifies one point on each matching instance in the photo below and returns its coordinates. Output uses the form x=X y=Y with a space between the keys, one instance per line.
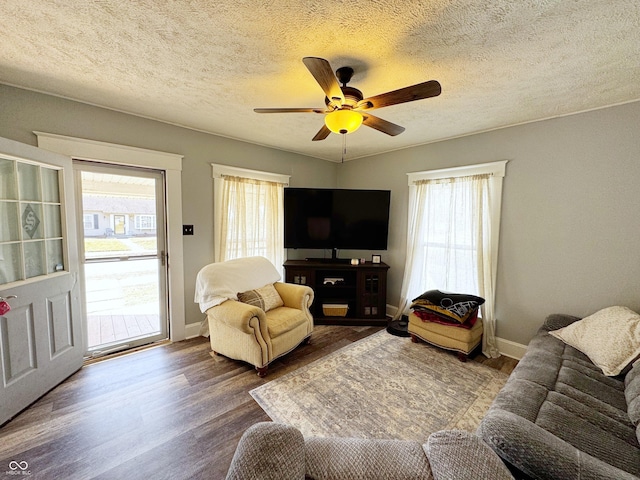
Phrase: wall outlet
x=187 y=230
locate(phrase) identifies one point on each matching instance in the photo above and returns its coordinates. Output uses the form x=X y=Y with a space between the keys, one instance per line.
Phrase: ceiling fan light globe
x=343 y=121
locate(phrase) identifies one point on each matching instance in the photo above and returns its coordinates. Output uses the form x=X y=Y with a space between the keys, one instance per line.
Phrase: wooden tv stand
x=363 y=288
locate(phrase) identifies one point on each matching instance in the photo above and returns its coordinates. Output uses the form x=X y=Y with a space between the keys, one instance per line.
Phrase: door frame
x=171 y=164
x=160 y=200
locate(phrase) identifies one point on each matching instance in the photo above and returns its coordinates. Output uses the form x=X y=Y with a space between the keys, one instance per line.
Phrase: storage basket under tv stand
x=336 y=282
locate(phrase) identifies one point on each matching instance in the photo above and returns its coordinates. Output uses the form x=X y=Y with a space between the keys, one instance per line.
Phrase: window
x=145 y=222
x=248 y=214
x=90 y=221
x=452 y=241
x=31 y=236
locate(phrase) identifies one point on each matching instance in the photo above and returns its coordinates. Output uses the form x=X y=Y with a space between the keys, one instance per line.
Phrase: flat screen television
x=321 y=218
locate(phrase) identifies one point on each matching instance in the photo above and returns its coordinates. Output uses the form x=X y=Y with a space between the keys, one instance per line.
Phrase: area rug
x=382 y=386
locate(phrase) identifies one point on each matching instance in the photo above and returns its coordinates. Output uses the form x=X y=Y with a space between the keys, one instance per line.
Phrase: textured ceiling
x=205 y=65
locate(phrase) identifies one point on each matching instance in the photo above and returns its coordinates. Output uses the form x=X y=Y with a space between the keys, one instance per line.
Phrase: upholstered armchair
x=272 y=319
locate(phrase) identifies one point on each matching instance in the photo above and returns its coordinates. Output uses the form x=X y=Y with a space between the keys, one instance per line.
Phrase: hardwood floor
x=169 y=412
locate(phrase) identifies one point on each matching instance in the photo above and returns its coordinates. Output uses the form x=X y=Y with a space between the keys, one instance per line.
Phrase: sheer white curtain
x=250 y=219
x=452 y=243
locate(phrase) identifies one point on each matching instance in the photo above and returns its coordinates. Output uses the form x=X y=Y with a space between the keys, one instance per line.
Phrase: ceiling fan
x=346 y=108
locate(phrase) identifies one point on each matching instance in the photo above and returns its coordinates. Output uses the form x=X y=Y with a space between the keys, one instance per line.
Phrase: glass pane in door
x=123 y=269
x=30 y=211
x=122 y=301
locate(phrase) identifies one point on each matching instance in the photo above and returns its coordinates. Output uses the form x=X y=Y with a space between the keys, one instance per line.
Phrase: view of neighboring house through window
x=90 y=221
x=452 y=239
x=249 y=214
x=145 y=222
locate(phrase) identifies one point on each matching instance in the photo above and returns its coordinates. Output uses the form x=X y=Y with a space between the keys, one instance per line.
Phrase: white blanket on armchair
x=222 y=281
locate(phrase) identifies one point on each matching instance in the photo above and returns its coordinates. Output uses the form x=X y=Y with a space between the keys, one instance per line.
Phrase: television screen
x=336 y=218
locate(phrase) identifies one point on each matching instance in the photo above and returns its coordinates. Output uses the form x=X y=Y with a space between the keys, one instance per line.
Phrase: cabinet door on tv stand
x=300 y=276
x=372 y=298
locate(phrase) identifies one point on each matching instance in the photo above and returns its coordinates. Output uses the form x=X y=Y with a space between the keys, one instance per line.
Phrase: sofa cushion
x=556 y=321
x=540 y=454
x=269 y=451
x=267 y=297
x=460 y=455
x=450 y=306
x=609 y=337
x=351 y=458
x=632 y=394
x=590 y=431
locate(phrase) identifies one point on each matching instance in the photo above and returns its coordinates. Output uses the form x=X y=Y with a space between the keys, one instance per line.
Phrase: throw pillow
x=266 y=297
x=450 y=306
x=610 y=338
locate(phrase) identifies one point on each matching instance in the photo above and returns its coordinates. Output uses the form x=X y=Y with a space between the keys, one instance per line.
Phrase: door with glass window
x=123 y=256
x=41 y=338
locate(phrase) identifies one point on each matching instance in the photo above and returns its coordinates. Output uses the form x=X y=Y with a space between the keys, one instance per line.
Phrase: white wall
x=570 y=234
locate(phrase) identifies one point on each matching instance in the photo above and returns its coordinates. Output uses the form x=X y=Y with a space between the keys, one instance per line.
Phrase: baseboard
x=510 y=349
x=505 y=347
x=191 y=330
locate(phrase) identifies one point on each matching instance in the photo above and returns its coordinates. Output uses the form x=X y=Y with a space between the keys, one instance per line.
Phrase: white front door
x=41 y=339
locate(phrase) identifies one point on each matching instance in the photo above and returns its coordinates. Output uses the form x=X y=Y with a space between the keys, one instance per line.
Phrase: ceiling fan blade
x=323 y=73
x=427 y=89
x=322 y=133
x=288 y=110
x=382 y=125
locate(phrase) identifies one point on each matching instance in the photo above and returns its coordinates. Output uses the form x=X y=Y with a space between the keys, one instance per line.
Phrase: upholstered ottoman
x=461 y=340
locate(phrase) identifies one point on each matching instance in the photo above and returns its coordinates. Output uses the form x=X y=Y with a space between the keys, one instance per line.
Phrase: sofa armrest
x=350 y=458
x=269 y=451
x=295 y=296
x=558 y=320
x=460 y=455
x=540 y=454
x=237 y=315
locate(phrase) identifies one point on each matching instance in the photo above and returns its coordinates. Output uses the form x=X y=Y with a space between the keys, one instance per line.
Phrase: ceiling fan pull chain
x=344 y=146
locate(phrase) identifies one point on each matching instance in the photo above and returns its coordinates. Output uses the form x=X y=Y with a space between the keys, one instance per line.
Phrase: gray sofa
x=560 y=417
x=273 y=451
x=557 y=417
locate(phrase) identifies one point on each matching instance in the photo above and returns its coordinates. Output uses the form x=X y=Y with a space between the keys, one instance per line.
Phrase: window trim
x=497 y=169
x=219 y=171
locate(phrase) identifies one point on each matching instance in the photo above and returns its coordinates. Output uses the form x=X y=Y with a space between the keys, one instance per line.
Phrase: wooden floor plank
x=172 y=411
x=120 y=330
x=132 y=325
x=106 y=329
